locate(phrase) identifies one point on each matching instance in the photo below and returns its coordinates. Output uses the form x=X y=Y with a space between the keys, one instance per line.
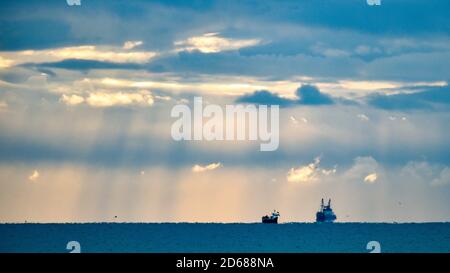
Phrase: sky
x=86 y=94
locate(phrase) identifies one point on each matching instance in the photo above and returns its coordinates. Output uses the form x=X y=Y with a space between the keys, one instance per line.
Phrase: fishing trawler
x=272 y=219
x=325 y=214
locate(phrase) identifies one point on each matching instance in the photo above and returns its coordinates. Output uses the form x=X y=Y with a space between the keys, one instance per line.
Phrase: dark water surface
x=192 y=237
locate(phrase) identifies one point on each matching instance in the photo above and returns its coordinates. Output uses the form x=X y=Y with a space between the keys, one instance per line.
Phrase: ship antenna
x=329 y=202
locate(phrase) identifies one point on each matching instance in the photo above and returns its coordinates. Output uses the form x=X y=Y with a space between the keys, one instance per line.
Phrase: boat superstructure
x=325 y=213
x=272 y=219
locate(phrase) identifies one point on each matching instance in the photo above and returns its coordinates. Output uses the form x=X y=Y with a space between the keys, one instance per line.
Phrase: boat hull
x=269 y=221
x=322 y=218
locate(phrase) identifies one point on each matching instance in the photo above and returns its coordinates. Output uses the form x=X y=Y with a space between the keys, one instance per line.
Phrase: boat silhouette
x=325 y=213
x=272 y=219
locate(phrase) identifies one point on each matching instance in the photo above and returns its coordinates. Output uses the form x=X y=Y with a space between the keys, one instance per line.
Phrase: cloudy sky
x=86 y=93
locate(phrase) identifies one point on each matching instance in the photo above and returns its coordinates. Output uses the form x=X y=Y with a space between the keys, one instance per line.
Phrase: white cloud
x=163 y=98
x=371 y=178
x=131 y=44
x=103 y=99
x=87 y=52
x=369 y=85
x=364 y=169
x=321 y=49
x=443 y=178
x=334 y=52
x=365 y=50
x=303 y=174
x=418 y=171
x=296 y=122
x=109 y=99
x=213 y=43
x=393 y=118
x=363 y=117
x=210 y=85
x=199 y=168
x=293 y=120
x=329 y=171
x=435 y=175
x=4 y=63
x=34 y=176
x=71 y=99
x=308 y=173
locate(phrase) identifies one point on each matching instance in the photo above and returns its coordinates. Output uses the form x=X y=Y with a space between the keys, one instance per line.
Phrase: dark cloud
x=234 y=63
x=429 y=99
x=22 y=22
x=265 y=97
x=310 y=95
x=79 y=64
x=34 y=34
x=35 y=24
x=295 y=39
x=307 y=95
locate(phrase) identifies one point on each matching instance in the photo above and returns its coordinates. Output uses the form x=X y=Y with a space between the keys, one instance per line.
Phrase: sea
x=226 y=238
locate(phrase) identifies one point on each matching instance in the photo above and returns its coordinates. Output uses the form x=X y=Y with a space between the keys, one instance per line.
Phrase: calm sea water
x=184 y=237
